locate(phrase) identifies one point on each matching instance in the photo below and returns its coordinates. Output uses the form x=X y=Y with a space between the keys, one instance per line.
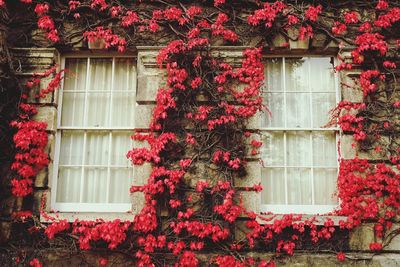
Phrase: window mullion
x=312 y=169
x=285 y=126
x=110 y=134
x=83 y=167
x=311 y=133
x=285 y=164
x=85 y=115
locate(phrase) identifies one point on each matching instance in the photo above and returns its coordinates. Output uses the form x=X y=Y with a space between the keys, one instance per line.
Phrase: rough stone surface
x=252 y=177
x=143 y=116
x=42 y=178
x=351 y=90
x=251 y=201
x=350 y=149
x=361 y=237
x=47 y=114
x=141 y=174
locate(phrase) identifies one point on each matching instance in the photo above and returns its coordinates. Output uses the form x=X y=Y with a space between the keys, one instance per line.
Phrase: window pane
x=275 y=104
x=122 y=109
x=321 y=74
x=75 y=76
x=100 y=74
x=69 y=184
x=297 y=74
x=96 y=151
x=121 y=143
x=325 y=149
x=298 y=110
x=272 y=150
x=299 y=186
x=95 y=185
x=322 y=104
x=298 y=149
x=273 y=75
x=98 y=110
x=71 y=150
x=125 y=74
x=120 y=184
x=325 y=186
x=273 y=183
x=73 y=108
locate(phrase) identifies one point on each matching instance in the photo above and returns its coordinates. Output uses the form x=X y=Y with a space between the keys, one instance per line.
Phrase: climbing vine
x=200 y=120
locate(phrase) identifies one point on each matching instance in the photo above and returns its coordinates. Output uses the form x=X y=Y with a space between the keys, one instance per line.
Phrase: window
x=299 y=154
x=95 y=122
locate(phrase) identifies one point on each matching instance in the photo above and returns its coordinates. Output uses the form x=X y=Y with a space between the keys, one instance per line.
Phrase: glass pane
x=298 y=110
x=71 y=151
x=75 y=76
x=322 y=76
x=272 y=150
x=122 y=109
x=273 y=75
x=73 y=108
x=273 y=183
x=325 y=149
x=120 y=184
x=98 y=110
x=275 y=104
x=68 y=184
x=325 y=184
x=121 y=143
x=299 y=186
x=125 y=74
x=100 y=74
x=298 y=149
x=322 y=104
x=94 y=185
x=297 y=74
x=96 y=151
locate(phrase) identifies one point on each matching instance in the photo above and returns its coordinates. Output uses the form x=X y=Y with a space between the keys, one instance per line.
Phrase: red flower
x=313 y=12
x=341 y=256
x=35 y=263
x=103 y=261
x=375 y=246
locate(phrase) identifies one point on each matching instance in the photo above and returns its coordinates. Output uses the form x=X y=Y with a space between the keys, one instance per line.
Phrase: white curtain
x=301 y=163
x=92 y=164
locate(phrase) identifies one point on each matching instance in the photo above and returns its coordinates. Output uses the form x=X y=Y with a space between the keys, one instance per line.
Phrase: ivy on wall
x=200 y=118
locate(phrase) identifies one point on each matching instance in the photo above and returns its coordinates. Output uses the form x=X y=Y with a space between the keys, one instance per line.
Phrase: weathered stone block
x=138 y=202
x=47 y=114
x=252 y=177
x=143 y=115
x=392 y=239
x=50 y=148
x=350 y=88
x=141 y=174
x=40 y=196
x=294 y=42
x=148 y=85
x=361 y=237
x=350 y=149
x=319 y=40
x=280 y=41
x=251 y=201
x=254 y=122
x=42 y=179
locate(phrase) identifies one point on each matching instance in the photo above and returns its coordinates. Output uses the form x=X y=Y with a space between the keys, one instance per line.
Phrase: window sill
x=317 y=219
x=89 y=216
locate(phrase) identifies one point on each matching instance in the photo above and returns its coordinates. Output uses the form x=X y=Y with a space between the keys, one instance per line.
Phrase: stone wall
x=149 y=79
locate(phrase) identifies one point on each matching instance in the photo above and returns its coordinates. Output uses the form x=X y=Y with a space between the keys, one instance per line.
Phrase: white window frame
x=89 y=208
x=292 y=208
